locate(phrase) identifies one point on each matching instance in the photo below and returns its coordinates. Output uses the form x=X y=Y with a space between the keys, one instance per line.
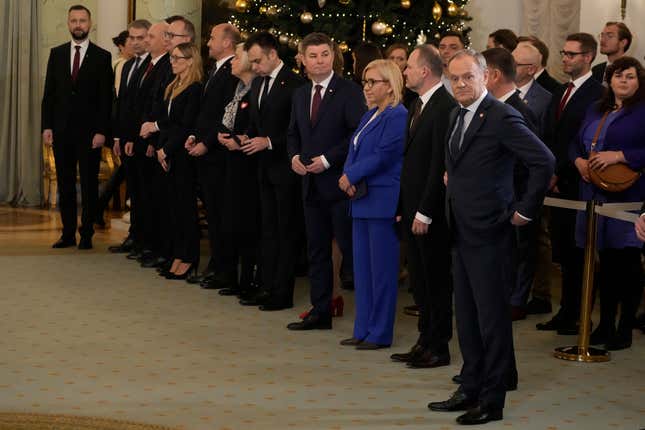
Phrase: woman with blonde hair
x=371 y=178
x=182 y=99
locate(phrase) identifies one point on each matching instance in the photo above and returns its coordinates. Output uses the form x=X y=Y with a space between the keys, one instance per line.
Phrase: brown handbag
x=615 y=178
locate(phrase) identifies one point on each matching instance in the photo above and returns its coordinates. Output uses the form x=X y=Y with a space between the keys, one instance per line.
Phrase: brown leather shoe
x=429 y=360
x=369 y=346
x=415 y=352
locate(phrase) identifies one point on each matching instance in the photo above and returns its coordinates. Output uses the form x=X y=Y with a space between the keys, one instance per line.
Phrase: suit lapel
x=452 y=122
x=478 y=120
x=369 y=127
x=276 y=88
x=85 y=61
x=329 y=92
x=255 y=93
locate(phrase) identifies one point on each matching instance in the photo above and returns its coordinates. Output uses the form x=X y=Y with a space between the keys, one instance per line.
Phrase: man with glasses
x=565 y=116
x=541 y=75
x=527 y=60
x=615 y=40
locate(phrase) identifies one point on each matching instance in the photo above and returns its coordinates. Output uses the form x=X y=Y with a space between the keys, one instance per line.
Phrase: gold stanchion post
x=582 y=351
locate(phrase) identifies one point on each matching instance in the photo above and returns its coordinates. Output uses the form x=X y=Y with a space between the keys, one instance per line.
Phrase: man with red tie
x=76 y=109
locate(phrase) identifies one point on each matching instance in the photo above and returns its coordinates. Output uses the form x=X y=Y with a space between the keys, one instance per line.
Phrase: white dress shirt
x=524 y=89
x=507 y=95
x=142 y=58
x=324 y=84
x=577 y=83
x=72 y=52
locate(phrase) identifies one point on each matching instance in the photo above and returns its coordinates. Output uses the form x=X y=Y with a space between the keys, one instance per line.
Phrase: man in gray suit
x=527 y=61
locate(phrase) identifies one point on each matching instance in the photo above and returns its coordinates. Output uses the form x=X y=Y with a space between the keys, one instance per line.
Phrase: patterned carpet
x=92 y=334
x=16 y=421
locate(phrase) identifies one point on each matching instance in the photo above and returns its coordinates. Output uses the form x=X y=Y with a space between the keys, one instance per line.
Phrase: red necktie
x=77 y=63
x=315 y=104
x=564 y=100
x=145 y=73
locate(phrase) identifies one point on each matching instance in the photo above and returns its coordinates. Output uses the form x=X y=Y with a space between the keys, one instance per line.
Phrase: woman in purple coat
x=621 y=140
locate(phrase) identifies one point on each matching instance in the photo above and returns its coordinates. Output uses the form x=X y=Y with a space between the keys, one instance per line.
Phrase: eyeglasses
x=570 y=54
x=174 y=58
x=169 y=35
x=369 y=83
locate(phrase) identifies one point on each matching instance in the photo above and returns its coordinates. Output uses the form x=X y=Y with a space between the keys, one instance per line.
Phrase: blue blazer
x=377 y=160
x=341 y=109
x=538 y=100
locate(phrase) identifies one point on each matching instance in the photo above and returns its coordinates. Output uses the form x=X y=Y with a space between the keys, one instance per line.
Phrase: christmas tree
x=350 y=22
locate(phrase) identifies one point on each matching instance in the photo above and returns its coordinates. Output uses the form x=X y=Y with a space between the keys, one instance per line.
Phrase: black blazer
x=480 y=196
x=218 y=91
x=340 y=112
x=126 y=121
x=598 y=71
x=180 y=121
x=422 y=188
x=559 y=133
x=272 y=121
x=548 y=83
x=85 y=105
x=149 y=101
x=521 y=172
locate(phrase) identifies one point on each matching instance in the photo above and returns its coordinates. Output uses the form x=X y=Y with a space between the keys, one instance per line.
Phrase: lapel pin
x=526 y=101
x=481 y=114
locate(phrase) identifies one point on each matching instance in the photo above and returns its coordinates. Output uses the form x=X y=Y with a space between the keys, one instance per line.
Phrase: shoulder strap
x=598 y=130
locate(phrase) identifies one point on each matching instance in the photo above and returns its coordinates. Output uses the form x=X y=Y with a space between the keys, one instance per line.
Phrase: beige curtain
x=20 y=148
x=551 y=21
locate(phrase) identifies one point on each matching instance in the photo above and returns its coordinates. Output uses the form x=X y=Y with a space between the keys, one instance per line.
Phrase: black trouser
x=482 y=280
x=325 y=221
x=110 y=190
x=620 y=281
x=137 y=217
x=69 y=150
x=242 y=248
x=526 y=245
x=183 y=205
x=281 y=221
x=147 y=180
x=431 y=282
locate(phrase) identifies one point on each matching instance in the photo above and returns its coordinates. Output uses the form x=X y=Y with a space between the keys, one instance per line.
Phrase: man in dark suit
x=126 y=127
x=324 y=116
x=563 y=122
x=615 y=40
x=271 y=94
x=76 y=109
x=541 y=76
x=422 y=207
x=221 y=271
x=536 y=98
x=485 y=140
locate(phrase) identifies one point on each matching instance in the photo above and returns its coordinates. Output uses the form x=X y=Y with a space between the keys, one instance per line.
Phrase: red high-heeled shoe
x=336 y=308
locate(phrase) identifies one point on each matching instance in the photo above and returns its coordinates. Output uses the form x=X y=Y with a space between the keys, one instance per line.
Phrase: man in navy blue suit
x=527 y=61
x=486 y=137
x=325 y=113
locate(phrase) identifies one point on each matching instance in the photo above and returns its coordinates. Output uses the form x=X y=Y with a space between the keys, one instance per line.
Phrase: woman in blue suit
x=371 y=178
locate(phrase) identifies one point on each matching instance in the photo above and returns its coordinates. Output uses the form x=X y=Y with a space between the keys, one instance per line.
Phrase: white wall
x=112 y=19
x=594 y=14
x=489 y=15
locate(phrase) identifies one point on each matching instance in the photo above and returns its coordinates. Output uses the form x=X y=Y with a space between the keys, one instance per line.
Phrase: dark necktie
x=146 y=72
x=455 y=140
x=315 y=104
x=564 y=100
x=265 y=91
x=77 y=63
x=133 y=73
x=416 y=112
x=210 y=77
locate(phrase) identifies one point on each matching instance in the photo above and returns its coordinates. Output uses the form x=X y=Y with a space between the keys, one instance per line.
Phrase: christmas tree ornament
x=293 y=43
x=273 y=31
x=306 y=17
x=272 y=11
x=422 y=38
x=453 y=10
x=322 y=3
x=244 y=35
x=389 y=30
x=379 y=27
x=343 y=47
x=436 y=11
x=262 y=10
x=241 y=6
x=343 y=2
x=284 y=39
x=405 y=4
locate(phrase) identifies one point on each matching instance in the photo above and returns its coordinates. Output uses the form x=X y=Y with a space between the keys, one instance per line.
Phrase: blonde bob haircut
x=391 y=73
x=195 y=72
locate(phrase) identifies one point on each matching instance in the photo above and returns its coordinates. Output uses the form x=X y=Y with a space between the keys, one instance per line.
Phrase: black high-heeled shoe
x=192 y=270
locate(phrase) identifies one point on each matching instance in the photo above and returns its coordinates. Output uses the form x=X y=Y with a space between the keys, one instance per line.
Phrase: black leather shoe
x=272 y=304
x=232 y=291
x=217 y=283
x=312 y=322
x=85 y=243
x=412 y=310
x=538 y=306
x=352 y=341
x=370 y=346
x=202 y=277
x=153 y=262
x=134 y=254
x=480 y=415
x=64 y=243
x=568 y=328
x=122 y=248
x=347 y=282
x=459 y=401
x=551 y=325
x=518 y=313
x=255 y=300
x=428 y=360
x=405 y=357
x=458 y=379
x=600 y=336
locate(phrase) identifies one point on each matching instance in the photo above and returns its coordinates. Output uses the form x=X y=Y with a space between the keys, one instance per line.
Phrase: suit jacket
x=149 y=102
x=180 y=121
x=126 y=125
x=538 y=100
x=83 y=106
x=376 y=160
x=559 y=133
x=598 y=71
x=480 y=196
x=272 y=121
x=547 y=82
x=339 y=114
x=218 y=91
x=521 y=172
x=422 y=188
